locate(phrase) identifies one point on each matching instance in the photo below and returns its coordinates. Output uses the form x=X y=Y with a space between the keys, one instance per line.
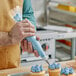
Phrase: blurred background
x=41 y=9
x=56 y=16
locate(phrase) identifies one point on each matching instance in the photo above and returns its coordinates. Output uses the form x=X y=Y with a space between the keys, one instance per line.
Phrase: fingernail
x=38 y=38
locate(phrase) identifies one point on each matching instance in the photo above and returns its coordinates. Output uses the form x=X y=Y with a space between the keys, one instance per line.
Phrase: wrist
x=5 y=39
x=14 y=38
x=11 y=37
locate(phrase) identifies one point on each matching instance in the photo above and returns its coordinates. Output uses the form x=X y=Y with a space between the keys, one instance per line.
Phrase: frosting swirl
x=37 y=68
x=54 y=66
x=67 y=71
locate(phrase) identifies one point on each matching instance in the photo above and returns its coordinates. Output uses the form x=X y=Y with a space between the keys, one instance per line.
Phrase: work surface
x=26 y=69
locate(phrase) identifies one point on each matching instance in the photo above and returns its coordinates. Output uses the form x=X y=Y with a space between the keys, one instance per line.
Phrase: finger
x=22 y=45
x=36 y=53
x=38 y=38
x=28 y=21
x=25 y=25
x=25 y=45
x=28 y=30
x=28 y=34
x=30 y=49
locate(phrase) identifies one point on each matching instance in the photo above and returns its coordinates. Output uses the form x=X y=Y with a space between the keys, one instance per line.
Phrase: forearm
x=5 y=39
x=8 y=39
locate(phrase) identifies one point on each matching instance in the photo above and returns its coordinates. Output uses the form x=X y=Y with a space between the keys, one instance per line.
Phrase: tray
x=20 y=70
x=22 y=74
x=28 y=75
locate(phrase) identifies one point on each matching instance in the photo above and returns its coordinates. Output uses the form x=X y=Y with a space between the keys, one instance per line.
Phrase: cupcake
x=54 y=69
x=37 y=71
x=67 y=72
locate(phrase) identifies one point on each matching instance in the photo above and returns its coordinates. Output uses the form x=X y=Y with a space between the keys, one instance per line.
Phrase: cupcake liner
x=55 y=72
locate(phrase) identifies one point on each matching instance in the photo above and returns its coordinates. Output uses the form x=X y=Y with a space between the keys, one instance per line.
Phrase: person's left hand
x=27 y=46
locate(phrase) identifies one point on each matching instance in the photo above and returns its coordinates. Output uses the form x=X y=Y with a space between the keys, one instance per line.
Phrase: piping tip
x=47 y=62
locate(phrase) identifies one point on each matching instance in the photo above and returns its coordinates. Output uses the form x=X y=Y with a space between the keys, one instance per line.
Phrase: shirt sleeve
x=28 y=12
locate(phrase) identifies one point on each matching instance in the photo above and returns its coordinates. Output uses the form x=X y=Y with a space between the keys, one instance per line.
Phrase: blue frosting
x=41 y=67
x=17 y=17
x=62 y=71
x=37 y=68
x=71 y=71
x=67 y=71
x=57 y=66
x=54 y=66
x=32 y=69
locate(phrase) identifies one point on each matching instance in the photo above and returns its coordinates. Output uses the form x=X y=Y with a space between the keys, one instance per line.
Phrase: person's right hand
x=21 y=30
x=27 y=47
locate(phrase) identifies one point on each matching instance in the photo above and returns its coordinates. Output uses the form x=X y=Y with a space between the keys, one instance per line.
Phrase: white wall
x=38 y=6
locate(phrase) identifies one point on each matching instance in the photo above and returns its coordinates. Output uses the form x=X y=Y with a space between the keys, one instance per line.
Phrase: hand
x=27 y=46
x=22 y=30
